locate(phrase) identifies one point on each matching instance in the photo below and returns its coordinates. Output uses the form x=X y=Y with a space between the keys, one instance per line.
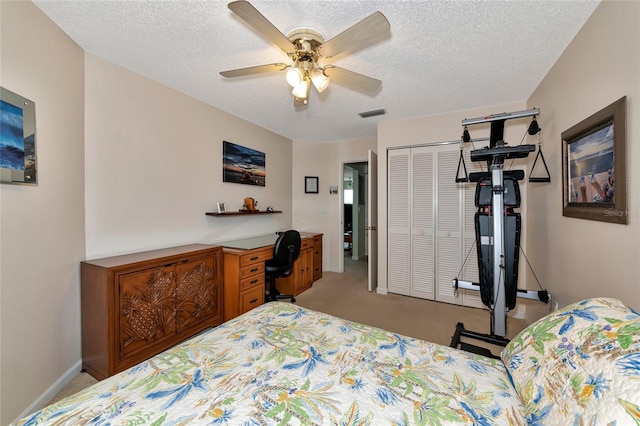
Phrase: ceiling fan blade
x=365 y=31
x=240 y=72
x=352 y=79
x=253 y=17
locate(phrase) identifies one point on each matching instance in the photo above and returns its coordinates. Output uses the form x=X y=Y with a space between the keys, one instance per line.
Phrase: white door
x=422 y=217
x=448 y=225
x=398 y=232
x=372 y=221
x=431 y=230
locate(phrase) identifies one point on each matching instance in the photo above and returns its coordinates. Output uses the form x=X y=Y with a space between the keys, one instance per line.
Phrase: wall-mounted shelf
x=243 y=213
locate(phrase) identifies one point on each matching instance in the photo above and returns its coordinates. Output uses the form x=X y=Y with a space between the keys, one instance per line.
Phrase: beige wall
x=153 y=167
x=138 y=162
x=322 y=212
x=42 y=227
x=584 y=258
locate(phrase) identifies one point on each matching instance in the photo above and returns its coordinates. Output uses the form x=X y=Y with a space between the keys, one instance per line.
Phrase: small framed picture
x=222 y=208
x=311 y=184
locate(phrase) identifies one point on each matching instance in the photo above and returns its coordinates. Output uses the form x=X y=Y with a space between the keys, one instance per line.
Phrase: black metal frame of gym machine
x=495 y=155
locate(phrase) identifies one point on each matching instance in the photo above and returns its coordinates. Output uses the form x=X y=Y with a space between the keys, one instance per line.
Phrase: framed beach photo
x=594 y=175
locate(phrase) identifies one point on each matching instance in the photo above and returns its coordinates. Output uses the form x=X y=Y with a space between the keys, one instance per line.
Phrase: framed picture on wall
x=18 y=160
x=243 y=165
x=594 y=174
x=311 y=184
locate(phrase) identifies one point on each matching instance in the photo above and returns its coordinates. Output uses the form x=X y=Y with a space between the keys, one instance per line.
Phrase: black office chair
x=285 y=252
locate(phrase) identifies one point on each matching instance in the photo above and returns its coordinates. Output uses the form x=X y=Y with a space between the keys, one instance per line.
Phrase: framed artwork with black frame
x=594 y=174
x=311 y=184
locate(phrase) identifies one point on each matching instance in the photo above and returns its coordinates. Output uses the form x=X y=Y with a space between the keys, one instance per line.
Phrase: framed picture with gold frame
x=594 y=174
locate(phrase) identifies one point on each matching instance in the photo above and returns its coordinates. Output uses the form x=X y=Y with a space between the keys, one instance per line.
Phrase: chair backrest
x=287 y=248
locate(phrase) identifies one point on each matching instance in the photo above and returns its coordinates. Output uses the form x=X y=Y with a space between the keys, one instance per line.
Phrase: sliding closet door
x=422 y=220
x=398 y=237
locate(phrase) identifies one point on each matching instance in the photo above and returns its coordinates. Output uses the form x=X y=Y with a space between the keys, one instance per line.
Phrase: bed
x=282 y=364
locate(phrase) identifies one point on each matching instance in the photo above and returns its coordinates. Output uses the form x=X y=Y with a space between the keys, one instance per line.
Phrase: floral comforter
x=281 y=364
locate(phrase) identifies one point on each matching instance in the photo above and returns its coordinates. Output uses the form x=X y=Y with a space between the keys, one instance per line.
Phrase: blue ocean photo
x=11 y=136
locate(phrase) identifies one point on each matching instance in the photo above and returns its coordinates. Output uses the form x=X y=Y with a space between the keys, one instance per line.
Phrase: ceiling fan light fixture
x=294 y=76
x=301 y=90
x=319 y=80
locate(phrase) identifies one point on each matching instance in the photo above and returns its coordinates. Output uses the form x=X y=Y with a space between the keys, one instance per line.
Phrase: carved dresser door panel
x=147 y=308
x=197 y=291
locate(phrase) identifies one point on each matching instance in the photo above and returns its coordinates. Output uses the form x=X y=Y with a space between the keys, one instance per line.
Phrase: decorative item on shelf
x=250 y=205
x=269 y=208
x=222 y=208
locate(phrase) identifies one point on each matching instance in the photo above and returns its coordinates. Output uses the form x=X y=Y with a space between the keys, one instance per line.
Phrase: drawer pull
x=253 y=301
x=253 y=282
x=254 y=258
x=255 y=269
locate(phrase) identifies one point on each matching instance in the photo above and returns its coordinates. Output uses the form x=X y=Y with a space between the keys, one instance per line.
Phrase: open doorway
x=354 y=214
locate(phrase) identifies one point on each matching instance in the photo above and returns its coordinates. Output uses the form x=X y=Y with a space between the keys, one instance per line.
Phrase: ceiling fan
x=306 y=47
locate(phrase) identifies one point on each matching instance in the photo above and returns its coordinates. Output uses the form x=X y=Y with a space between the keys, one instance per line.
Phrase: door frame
x=340 y=230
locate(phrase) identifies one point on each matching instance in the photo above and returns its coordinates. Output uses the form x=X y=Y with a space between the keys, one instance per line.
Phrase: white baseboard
x=43 y=400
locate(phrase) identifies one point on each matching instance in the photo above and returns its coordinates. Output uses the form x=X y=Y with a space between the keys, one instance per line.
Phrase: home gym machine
x=497 y=228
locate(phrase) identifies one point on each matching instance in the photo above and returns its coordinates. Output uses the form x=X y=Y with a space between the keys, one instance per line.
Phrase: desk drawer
x=306 y=243
x=251 y=299
x=255 y=269
x=256 y=257
x=249 y=282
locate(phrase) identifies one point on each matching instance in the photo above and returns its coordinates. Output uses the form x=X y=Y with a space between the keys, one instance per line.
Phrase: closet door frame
x=403 y=239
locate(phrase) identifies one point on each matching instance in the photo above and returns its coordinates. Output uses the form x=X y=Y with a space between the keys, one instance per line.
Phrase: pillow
x=579 y=365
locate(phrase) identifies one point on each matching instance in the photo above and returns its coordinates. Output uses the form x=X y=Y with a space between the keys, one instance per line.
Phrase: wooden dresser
x=136 y=306
x=244 y=278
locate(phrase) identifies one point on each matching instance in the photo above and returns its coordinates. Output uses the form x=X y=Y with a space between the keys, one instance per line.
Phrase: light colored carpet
x=345 y=295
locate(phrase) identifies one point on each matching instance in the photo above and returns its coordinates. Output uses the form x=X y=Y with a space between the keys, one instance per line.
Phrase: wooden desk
x=244 y=280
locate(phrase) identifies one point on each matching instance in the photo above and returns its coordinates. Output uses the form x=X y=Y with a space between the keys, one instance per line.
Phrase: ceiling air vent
x=372 y=113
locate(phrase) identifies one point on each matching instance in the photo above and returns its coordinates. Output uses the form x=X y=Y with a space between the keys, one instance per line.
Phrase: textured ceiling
x=441 y=56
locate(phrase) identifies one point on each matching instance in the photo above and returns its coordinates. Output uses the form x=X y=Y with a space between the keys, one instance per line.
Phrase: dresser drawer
x=256 y=257
x=252 y=281
x=306 y=243
x=255 y=269
x=251 y=298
